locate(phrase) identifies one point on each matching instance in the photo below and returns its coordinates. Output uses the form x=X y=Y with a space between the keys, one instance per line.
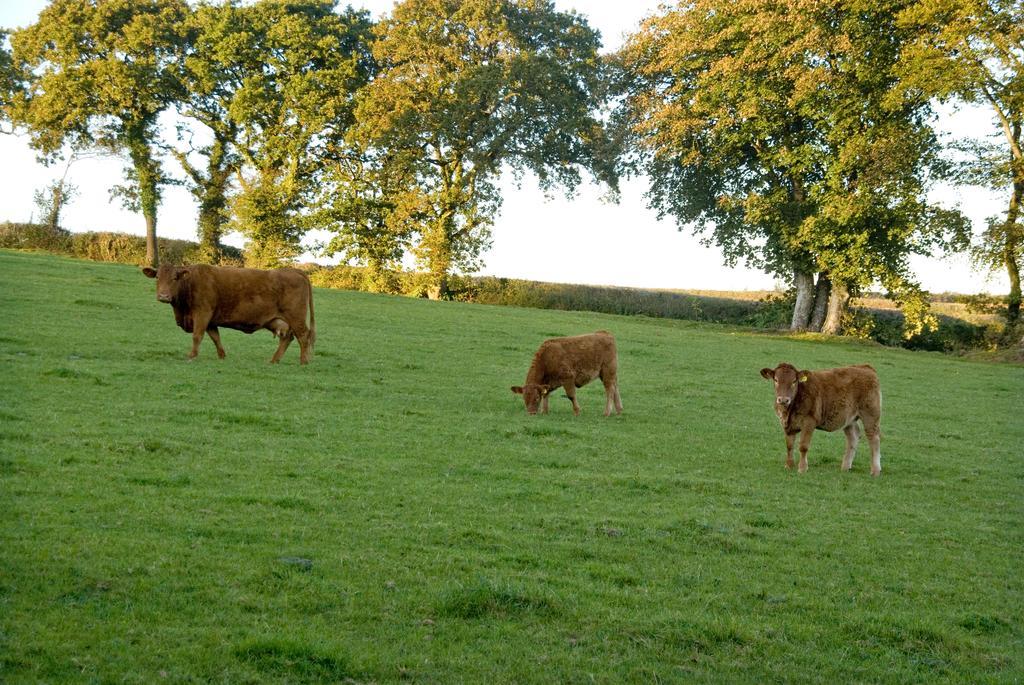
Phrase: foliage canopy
x=769 y=128
x=973 y=51
x=465 y=89
x=98 y=74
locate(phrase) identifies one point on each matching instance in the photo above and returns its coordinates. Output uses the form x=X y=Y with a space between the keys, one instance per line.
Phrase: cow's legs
x=199 y=322
x=286 y=340
x=570 y=392
x=790 y=439
x=544 y=402
x=214 y=334
x=852 y=437
x=611 y=391
x=609 y=396
x=805 y=444
x=874 y=434
x=305 y=347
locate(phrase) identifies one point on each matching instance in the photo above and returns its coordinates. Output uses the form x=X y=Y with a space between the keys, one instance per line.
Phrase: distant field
x=389 y=513
x=957 y=310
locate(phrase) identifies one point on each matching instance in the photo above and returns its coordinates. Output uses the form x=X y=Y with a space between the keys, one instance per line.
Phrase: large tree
x=300 y=64
x=99 y=73
x=973 y=50
x=467 y=88
x=212 y=73
x=769 y=128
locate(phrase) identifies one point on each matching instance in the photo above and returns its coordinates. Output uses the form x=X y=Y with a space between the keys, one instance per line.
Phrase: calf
x=572 y=363
x=828 y=400
x=205 y=298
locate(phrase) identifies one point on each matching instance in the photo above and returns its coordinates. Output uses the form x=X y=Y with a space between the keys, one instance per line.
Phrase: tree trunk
x=147 y=174
x=60 y=192
x=804 y=282
x=211 y=220
x=822 y=291
x=213 y=201
x=439 y=285
x=209 y=232
x=1010 y=249
x=439 y=288
x=837 y=303
x=438 y=248
x=1014 y=300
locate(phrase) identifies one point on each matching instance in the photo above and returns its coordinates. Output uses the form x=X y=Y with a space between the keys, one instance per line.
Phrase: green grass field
x=391 y=513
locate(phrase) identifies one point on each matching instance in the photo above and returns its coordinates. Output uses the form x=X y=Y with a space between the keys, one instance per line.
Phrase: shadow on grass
x=64 y=372
x=482 y=597
x=923 y=646
x=711 y=636
x=536 y=432
x=176 y=481
x=291 y=661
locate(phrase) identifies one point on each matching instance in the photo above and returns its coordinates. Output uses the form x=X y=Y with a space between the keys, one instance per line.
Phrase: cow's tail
x=312 y=318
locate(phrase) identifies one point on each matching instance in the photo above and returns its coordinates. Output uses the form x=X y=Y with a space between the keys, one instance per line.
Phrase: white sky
x=585 y=239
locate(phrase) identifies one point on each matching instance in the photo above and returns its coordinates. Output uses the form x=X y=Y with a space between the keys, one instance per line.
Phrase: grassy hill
x=389 y=513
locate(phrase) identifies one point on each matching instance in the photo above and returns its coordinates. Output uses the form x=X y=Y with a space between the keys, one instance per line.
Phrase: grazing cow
x=205 y=298
x=572 y=363
x=828 y=400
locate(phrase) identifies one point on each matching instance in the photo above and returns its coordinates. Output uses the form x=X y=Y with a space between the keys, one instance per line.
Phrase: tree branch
x=1015 y=150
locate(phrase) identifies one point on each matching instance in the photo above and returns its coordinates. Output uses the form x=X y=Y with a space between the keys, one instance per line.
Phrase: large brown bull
x=206 y=298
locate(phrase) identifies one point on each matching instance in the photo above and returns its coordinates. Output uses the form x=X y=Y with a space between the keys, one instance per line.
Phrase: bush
x=342 y=277
x=105 y=246
x=951 y=334
x=34 y=237
x=775 y=311
x=609 y=300
x=109 y=247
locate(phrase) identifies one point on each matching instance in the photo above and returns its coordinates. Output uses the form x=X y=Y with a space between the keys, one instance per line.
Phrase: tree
x=375 y=207
x=98 y=74
x=300 y=64
x=52 y=199
x=974 y=50
x=467 y=88
x=8 y=79
x=211 y=75
x=768 y=128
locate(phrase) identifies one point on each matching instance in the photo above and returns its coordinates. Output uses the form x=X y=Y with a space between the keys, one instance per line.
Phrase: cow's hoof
x=876 y=474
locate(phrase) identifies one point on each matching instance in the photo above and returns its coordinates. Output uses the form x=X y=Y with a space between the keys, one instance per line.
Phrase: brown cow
x=572 y=363
x=207 y=297
x=828 y=400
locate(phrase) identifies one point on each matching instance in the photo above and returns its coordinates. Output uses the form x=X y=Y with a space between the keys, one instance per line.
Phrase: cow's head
x=532 y=395
x=169 y=281
x=787 y=381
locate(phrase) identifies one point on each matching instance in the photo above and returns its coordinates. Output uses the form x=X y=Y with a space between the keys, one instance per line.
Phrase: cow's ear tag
x=544 y=391
x=803 y=378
